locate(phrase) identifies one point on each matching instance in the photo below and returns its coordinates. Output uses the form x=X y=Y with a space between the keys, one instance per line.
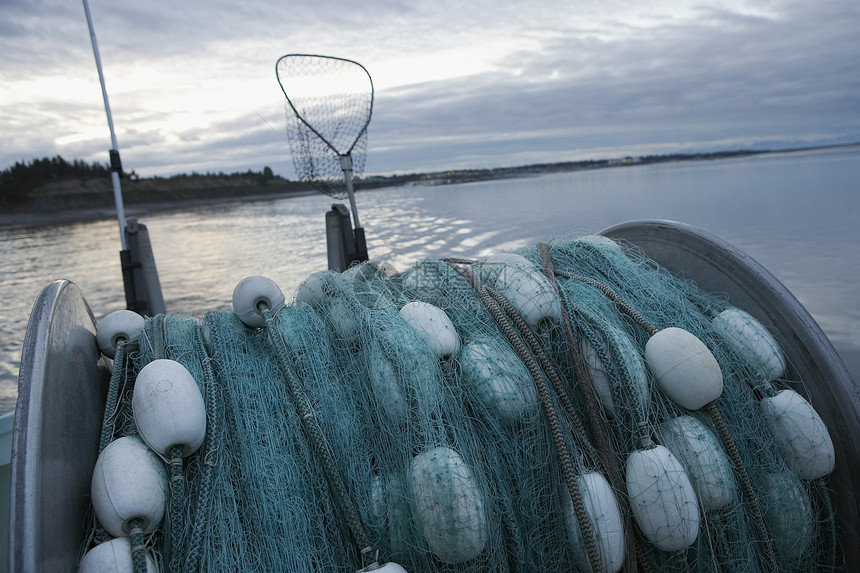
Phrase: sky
x=477 y=84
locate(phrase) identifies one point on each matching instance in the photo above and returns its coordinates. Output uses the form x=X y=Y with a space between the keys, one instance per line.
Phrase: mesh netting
x=531 y=436
x=328 y=109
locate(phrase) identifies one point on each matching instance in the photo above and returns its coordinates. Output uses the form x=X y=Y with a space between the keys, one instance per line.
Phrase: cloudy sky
x=483 y=83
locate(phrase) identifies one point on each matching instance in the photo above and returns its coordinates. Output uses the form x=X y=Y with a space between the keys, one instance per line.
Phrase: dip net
x=482 y=455
x=328 y=108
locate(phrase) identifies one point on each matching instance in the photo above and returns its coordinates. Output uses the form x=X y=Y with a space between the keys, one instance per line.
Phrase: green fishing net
x=503 y=445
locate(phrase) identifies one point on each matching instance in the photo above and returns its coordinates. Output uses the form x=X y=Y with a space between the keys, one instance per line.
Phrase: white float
x=129 y=482
x=528 y=290
x=788 y=514
x=389 y=567
x=800 y=435
x=313 y=290
x=448 y=505
x=341 y=318
x=116 y=327
x=113 y=556
x=387 y=387
x=434 y=326
x=426 y=281
x=708 y=468
x=600 y=505
x=751 y=340
x=168 y=408
x=498 y=380
x=662 y=498
x=364 y=271
x=509 y=259
x=633 y=364
x=249 y=293
x=601 y=242
x=684 y=368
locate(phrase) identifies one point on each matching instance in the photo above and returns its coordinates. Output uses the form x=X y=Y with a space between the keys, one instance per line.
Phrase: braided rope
x=746 y=484
x=712 y=411
x=210 y=455
x=548 y=368
x=495 y=307
x=177 y=495
x=615 y=298
x=138 y=548
x=609 y=462
x=641 y=423
x=318 y=442
x=112 y=406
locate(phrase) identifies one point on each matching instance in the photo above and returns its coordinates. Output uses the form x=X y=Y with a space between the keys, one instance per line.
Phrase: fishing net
x=502 y=441
x=328 y=109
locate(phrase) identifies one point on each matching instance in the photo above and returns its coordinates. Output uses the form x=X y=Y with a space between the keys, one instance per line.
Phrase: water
x=796 y=213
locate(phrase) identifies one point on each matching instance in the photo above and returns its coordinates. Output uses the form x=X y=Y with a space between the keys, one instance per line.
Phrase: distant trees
x=46 y=169
x=17 y=181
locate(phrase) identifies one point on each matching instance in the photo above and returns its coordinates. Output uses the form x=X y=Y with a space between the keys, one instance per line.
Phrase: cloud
x=486 y=84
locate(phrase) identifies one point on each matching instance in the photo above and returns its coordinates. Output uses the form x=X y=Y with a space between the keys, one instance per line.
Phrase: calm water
x=795 y=213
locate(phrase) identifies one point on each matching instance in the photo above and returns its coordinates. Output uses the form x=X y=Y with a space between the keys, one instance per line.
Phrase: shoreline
x=38 y=219
x=48 y=218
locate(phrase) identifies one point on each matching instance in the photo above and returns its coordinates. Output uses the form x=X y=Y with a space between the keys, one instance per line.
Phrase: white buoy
x=427 y=281
x=378 y=500
x=118 y=326
x=601 y=242
x=390 y=567
x=342 y=320
x=684 y=368
x=498 y=380
x=662 y=498
x=129 y=482
x=434 y=326
x=800 y=435
x=633 y=364
x=448 y=505
x=368 y=269
x=600 y=505
x=249 y=293
x=509 y=259
x=387 y=387
x=707 y=465
x=789 y=516
x=314 y=290
x=113 y=556
x=752 y=341
x=168 y=408
x=529 y=291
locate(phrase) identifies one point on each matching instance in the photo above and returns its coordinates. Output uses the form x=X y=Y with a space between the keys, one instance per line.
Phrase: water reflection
x=796 y=214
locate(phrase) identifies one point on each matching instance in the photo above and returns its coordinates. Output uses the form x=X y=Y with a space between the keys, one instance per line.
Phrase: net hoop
x=304 y=121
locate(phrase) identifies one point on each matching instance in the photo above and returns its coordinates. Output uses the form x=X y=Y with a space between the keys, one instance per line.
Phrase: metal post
x=346 y=165
x=116 y=166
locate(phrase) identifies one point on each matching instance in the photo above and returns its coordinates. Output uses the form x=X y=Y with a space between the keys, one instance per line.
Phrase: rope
x=138 y=548
x=177 y=495
x=640 y=422
x=210 y=454
x=318 y=442
x=608 y=461
x=615 y=298
x=710 y=409
x=516 y=338
x=755 y=509
x=112 y=406
x=548 y=368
